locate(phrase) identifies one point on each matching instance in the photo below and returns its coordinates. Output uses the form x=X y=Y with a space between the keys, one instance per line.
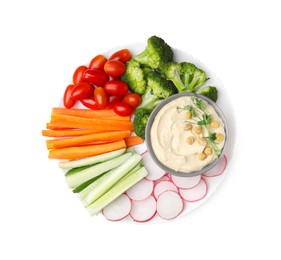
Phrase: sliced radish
x=195 y=194
x=164 y=178
x=154 y=171
x=141 y=190
x=164 y=186
x=186 y=182
x=218 y=169
x=143 y=210
x=118 y=209
x=169 y=205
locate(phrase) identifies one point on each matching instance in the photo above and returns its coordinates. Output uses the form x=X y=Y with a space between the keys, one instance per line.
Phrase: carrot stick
x=84 y=139
x=133 y=140
x=90 y=123
x=84 y=112
x=75 y=152
x=65 y=133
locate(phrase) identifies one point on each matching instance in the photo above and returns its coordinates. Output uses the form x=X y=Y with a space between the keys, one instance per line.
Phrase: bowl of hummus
x=186 y=134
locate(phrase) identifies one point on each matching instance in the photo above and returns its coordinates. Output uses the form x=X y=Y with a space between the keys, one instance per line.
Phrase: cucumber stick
x=116 y=191
x=91 y=160
x=74 y=180
x=112 y=178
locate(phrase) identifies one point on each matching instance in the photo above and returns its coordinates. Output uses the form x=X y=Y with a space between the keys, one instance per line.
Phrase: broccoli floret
x=211 y=92
x=158 y=88
x=134 y=77
x=185 y=76
x=140 y=121
x=156 y=53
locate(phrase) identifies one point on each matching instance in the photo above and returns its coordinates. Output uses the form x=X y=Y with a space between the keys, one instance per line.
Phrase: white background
x=42 y=42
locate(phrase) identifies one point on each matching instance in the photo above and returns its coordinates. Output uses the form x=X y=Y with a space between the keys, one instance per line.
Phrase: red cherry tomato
x=96 y=77
x=113 y=100
x=90 y=103
x=78 y=73
x=68 y=101
x=132 y=99
x=114 y=68
x=100 y=97
x=98 y=62
x=116 y=87
x=82 y=90
x=122 y=109
x=123 y=55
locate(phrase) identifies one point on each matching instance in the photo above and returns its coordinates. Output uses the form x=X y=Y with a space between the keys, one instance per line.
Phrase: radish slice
x=141 y=190
x=143 y=210
x=164 y=186
x=154 y=171
x=118 y=209
x=218 y=169
x=195 y=194
x=164 y=178
x=169 y=205
x=186 y=182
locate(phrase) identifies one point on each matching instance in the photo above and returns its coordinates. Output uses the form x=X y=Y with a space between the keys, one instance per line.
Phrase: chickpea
x=201 y=156
x=198 y=130
x=220 y=137
x=188 y=115
x=208 y=150
x=190 y=140
x=188 y=127
x=202 y=141
x=215 y=124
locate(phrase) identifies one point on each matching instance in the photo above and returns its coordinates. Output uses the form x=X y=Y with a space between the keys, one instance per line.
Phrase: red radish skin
x=218 y=169
x=186 y=182
x=140 y=191
x=164 y=186
x=195 y=194
x=118 y=209
x=154 y=171
x=143 y=210
x=169 y=205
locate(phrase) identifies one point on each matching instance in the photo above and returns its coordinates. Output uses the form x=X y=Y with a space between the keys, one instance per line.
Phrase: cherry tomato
x=122 y=109
x=82 y=90
x=78 y=73
x=116 y=87
x=68 y=101
x=114 y=68
x=113 y=100
x=97 y=77
x=123 y=55
x=90 y=103
x=132 y=99
x=100 y=97
x=98 y=62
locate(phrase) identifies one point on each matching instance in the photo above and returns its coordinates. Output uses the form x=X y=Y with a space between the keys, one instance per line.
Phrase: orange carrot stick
x=75 y=152
x=84 y=112
x=66 y=133
x=133 y=140
x=84 y=139
x=90 y=123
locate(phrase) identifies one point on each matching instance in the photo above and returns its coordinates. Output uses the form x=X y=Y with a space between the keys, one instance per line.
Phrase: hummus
x=175 y=138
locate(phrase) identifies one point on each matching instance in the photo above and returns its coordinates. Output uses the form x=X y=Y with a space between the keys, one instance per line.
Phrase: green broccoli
x=158 y=88
x=134 y=77
x=185 y=76
x=156 y=53
x=211 y=92
x=140 y=121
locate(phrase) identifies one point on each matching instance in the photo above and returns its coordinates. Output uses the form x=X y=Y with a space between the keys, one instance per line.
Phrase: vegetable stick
x=84 y=112
x=75 y=152
x=67 y=132
x=96 y=137
x=90 y=123
x=133 y=140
